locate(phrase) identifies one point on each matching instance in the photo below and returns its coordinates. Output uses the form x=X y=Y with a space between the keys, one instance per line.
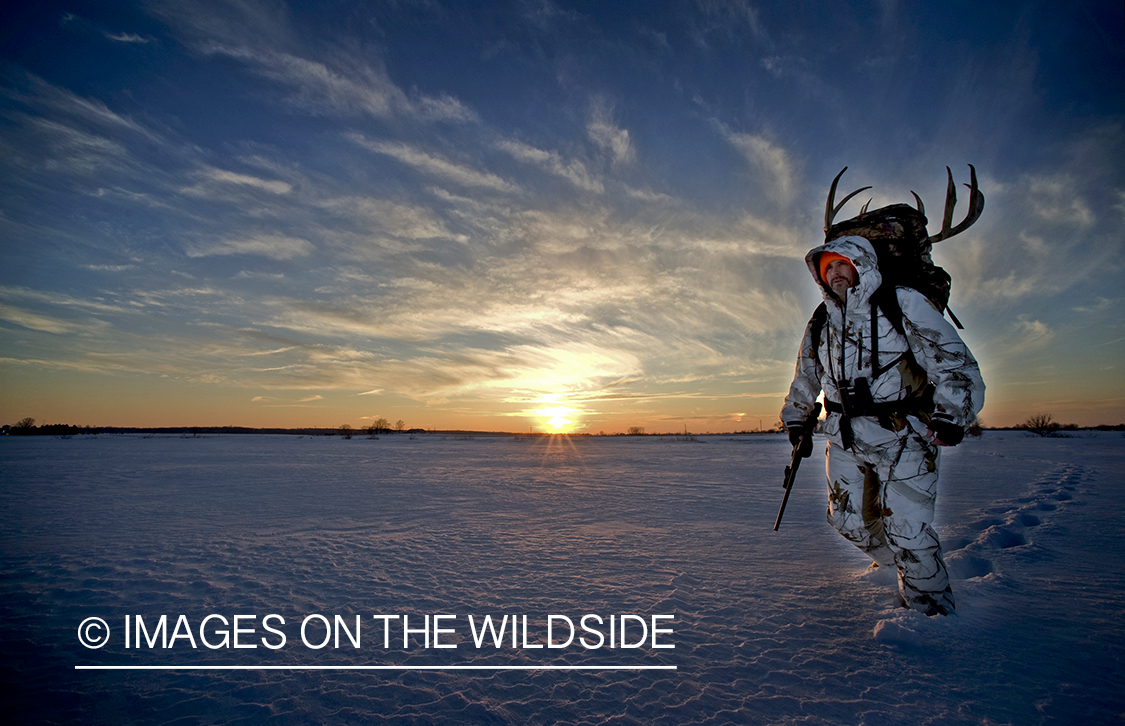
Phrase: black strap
x=954 y=318
x=917 y=405
x=818 y=320
x=886 y=300
x=875 y=338
x=923 y=403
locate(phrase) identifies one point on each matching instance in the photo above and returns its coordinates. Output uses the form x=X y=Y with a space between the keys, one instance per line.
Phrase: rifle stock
x=794 y=464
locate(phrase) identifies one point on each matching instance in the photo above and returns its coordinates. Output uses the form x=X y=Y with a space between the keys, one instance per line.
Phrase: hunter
x=898 y=384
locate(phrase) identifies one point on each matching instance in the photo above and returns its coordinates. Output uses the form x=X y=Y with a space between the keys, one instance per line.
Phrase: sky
x=530 y=215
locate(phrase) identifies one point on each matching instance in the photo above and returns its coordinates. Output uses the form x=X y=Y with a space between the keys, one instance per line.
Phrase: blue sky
x=492 y=216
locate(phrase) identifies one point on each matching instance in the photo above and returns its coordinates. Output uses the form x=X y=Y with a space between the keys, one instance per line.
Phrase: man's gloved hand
x=945 y=431
x=801 y=434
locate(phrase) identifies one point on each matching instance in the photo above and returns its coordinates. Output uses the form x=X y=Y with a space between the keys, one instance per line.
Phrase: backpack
x=903 y=245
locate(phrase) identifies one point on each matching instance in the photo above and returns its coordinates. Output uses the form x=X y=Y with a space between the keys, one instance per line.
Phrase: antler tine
x=863 y=209
x=976 y=207
x=950 y=203
x=921 y=207
x=844 y=201
x=976 y=204
x=830 y=211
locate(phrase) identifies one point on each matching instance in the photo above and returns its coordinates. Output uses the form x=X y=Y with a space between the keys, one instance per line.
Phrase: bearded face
x=840 y=276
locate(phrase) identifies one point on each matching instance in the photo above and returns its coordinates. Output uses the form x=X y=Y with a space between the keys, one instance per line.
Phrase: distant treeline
x=70 y=430
x=48 y=430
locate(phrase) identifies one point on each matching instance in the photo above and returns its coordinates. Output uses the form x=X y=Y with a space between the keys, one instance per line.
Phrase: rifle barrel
x=790 y=477
x=791 y=470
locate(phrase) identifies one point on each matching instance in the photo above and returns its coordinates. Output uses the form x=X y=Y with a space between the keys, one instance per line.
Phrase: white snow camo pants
x=881 y=499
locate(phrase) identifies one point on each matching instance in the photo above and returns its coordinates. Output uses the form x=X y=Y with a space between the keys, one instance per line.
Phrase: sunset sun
x=557 y=419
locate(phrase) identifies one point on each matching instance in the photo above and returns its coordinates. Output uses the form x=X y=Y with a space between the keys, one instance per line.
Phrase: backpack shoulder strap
x=817 y=321
x=886 y=300
x=886 y=297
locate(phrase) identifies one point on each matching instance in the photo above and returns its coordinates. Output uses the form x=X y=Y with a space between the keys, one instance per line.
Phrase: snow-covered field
x=769 y=628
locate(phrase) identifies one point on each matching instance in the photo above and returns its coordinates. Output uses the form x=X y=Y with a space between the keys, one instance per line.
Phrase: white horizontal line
x=373 y=668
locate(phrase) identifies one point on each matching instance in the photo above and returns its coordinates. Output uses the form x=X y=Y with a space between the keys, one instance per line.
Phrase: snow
x=787 y=627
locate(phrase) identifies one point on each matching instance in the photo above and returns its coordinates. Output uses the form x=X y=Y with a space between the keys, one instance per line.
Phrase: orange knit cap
x=827 y=258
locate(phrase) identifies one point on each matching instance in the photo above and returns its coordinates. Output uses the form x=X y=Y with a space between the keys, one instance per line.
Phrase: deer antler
x=976 y=207
x=831 y=211
x=921 y=207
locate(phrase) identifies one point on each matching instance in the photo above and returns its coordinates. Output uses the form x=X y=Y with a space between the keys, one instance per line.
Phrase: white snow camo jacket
x=844 y=354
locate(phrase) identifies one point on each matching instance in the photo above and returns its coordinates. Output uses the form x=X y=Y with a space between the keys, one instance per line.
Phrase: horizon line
x=354 y=432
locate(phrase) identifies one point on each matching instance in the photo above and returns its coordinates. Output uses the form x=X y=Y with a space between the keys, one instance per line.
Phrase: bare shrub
x=1041 y=424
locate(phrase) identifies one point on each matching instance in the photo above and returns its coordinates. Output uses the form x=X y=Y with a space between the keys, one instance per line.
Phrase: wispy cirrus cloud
x=213 y=181
x=605 y=133
x=572 y=170
x=354 y=87
x=260 y=35
x=60 y=300
x=128 y=38
x=386 y=217
x=433 y=164
x=74 y=22
x=770 y=160
x=78 y=151
x=275 y=247
x=36 y=321
x=66 y=120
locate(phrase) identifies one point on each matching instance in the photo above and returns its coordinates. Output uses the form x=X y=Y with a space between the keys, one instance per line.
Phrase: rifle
x=791 y=470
